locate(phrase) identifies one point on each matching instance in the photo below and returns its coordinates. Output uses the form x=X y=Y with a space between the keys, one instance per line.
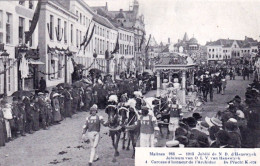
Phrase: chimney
x=169 y=40
x=106 y=6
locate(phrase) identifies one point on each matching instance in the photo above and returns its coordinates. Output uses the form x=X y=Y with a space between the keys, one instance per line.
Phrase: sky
x=206 y=20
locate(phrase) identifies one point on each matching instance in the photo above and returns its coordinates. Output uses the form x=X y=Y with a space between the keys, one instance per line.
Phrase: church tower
x=136 y=7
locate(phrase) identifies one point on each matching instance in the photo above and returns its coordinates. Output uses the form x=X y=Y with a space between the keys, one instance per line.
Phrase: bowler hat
x=184 y=125
x=196 y=115
x=231 y=126
x=191 y=122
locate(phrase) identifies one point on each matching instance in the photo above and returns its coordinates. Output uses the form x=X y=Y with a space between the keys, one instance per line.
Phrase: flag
x=85 y=38
x=141 y=42
x=147 y=46
x=90 y=37
x=36 y=15
x=117 y=45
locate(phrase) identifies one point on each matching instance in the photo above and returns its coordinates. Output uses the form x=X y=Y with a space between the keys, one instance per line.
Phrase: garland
x=9 y=67
x=53 y=72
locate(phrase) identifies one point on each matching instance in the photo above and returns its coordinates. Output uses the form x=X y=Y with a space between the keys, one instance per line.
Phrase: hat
x=165 y=81
x=95 y=106
x=223 y=137
x=173 y=143
x=113 y=98
x=93 y=109
x=232 y=120
x=40 y=93
x=196 y=115
x=55 y=95
x=183 y=140
x=213 y=121
x=240 y=114
x=190 y=121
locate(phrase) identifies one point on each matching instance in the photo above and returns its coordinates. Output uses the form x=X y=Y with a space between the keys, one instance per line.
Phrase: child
x=93 y=127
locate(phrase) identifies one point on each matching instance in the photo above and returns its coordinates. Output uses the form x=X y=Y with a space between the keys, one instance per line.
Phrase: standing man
x=211 y=90
x=42 y=85
x=92 y=126
x=175 y=114
x=67 y=102
x=148 y=128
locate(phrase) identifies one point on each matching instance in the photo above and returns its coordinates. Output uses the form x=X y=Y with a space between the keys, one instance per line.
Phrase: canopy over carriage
x=175 y=62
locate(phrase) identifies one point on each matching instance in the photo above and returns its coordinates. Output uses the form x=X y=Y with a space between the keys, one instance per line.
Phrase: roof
x=166 y=49
x=193 y=40
x=103 y=21
x=185 y=37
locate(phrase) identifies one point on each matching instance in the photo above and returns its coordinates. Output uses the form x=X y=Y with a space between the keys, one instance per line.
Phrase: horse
x=114 y=124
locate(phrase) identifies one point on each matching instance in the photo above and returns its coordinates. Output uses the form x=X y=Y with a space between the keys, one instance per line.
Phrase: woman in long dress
x=56 y=108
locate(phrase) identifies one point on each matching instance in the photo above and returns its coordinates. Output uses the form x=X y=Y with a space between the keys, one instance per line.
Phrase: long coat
x=2 y=126
x=56 y=110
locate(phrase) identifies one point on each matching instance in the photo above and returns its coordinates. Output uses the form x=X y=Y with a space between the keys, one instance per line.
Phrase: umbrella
x=22 y=93
x=79 y=84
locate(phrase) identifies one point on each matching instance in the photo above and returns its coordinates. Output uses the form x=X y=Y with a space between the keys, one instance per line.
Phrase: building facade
x=231 y=51
x=15 y=19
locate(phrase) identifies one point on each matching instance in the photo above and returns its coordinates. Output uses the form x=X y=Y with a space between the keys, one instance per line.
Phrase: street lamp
x=5 y=57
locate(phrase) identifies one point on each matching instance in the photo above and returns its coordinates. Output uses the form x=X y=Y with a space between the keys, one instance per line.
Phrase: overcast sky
x=205 y=19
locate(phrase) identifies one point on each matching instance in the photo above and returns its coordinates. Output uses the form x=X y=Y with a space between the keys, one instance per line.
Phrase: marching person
x=148 y=128
x=175 y=114
x=92 y=127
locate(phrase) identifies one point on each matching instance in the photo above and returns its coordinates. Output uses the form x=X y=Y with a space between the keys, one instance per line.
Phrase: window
x=1 y=19
x=31 y=41
x=80 y=40
x=65 y=32
x=80 y=18
x=77 y=37
x=213 y=56
x=21 y=30
x=8 y=27
x=219 y=56
x=30 y=4
x=84 y=20
x=107 y=34
x=51 y=27
x=59 y=28
x=216 y=56
x=235 y=46
x=71 y=33
x=1 y=37
x=209 y=50
x=21 y=2
x=77 y=14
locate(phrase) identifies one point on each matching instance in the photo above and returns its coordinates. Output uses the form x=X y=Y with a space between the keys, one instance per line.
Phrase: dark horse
x=134 y=133
x=114 y=125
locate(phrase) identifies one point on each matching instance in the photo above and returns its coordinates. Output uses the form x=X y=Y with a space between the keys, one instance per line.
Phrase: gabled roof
x=103 y=21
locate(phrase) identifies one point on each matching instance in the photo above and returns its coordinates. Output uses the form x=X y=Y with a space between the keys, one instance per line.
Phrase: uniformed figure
x=92 y=127
x=29 y=115
x=148 y=128
x=174 y=110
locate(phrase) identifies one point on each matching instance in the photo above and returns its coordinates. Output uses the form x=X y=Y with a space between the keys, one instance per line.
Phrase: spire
x=185 y=38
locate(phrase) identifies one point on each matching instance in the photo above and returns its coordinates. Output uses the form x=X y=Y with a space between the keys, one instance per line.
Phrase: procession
x=86 y=82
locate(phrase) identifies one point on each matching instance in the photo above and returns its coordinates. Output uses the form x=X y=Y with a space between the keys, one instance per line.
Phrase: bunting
x=147 y=46
x=90 y=37
x=117 y=45
x=140 y=46
x=36 y=15
x=85 y=38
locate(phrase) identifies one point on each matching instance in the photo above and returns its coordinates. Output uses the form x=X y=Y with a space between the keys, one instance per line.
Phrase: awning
x=35 y=62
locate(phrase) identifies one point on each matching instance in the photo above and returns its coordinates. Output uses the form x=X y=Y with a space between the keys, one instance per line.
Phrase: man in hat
x=222 y=139
x=234 y=133
x=42 y=86
x=148 y=127
x=92 y=127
